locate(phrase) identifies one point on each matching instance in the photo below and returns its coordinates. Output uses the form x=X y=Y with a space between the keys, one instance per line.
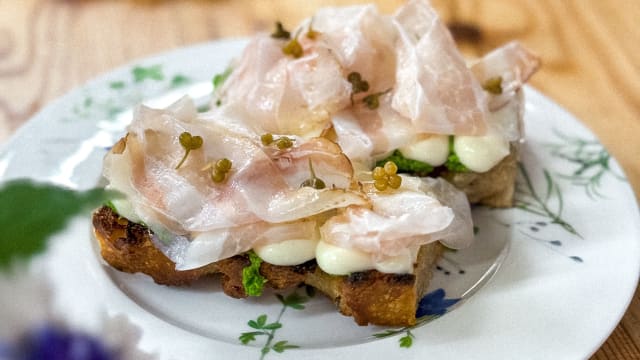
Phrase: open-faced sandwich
x=341 y=155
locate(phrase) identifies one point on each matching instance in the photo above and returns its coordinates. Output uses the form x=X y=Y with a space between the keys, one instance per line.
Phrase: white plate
x=565 y=283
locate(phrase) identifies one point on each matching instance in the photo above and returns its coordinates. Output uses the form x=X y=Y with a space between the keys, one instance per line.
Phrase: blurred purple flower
x=31 y=330
x=55 y=342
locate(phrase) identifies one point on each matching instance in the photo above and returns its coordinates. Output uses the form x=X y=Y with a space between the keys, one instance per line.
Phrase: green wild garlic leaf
x=453 y=161
x=406 y=165
x=252 y=280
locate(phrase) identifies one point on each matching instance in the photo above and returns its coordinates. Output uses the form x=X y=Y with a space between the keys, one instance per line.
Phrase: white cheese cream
x=336 y=260
x=332 y=259
x=477 y=153
x=288 y=252
x=481 y=153
x=430 y=149
x=340 y=261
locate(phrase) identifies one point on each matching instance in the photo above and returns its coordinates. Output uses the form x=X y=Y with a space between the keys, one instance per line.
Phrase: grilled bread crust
x=370 y=297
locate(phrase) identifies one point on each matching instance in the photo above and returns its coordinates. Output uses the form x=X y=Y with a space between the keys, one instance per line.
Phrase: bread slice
x=370 y=297
x=494 y=188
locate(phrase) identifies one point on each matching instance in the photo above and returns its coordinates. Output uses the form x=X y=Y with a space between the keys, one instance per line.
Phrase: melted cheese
x=430 y=149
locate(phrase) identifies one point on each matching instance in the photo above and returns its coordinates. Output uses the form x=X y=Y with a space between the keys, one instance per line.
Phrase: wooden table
x=590 y=50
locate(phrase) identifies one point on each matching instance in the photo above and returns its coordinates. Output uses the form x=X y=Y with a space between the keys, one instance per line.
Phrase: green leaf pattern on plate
x=589 y=162
x=585 y=163
x=122 y=94
x=264 y=328
x=548 y=204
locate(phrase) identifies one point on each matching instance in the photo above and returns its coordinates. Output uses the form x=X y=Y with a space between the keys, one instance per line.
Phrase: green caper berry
x=363 y=86
x=493 y=85
x=371 y=101
x=381 y=184
x=196 y=142
x=312 y=34
x=185 y=140
x=394 y=181
x=390 y=168
x=284 y=143
x=223 y=165
x=357 y=84
x=188 y=142
x=266 y=139
x=293 y=48
x=379 y=173
x=314 y=181
x=354 y=77
x=217 y=176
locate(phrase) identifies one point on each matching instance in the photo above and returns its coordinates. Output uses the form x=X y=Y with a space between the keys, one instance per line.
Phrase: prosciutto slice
x=434 y=88
x=411 y=53
x=361 y=39
x=274 y=92
x=513 y=63
x=412 y=216
x=271 y=92
x=262 y=185
x=365 y=134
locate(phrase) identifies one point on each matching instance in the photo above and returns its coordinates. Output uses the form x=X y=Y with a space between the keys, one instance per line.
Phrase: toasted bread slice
x=494 y=188
x=370 y=297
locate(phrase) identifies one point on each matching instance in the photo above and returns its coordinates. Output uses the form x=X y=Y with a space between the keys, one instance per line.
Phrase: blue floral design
x=435 y=304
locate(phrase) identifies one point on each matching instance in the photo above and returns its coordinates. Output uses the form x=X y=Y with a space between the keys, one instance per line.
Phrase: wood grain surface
x=590 y=51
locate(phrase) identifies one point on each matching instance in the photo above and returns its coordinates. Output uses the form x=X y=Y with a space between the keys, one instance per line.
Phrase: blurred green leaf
x=31 y=212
